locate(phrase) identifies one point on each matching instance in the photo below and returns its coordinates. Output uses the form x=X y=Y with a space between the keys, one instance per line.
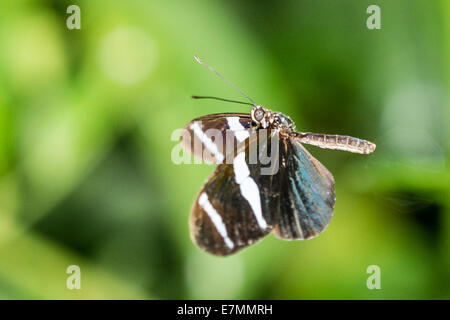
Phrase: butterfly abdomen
x=337 y=142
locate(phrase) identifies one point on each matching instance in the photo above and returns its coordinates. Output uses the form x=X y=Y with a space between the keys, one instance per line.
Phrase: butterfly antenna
x=221 y=77
x=222 y=99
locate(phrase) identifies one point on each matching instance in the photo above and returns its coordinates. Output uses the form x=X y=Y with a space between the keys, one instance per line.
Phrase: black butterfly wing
x=234 y=208
x=307 y=195
x=244 y=201
x=209 y=137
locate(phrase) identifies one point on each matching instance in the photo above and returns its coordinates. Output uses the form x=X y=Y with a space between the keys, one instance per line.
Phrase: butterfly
x=245 y=199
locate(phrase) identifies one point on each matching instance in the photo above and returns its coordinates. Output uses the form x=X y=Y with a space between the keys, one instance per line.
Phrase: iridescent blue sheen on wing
x=307 y=194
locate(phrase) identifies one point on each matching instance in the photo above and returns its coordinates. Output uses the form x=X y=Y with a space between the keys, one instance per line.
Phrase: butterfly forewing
x=306 y=196
x=209 y=137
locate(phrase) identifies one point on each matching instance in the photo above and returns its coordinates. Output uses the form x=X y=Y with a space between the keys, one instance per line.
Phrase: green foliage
x=86 y=118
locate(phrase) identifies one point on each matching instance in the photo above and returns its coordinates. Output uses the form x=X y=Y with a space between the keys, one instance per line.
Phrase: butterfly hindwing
x=306 y=196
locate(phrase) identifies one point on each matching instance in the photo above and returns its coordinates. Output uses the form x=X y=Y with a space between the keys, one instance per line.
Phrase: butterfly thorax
x=274 y=120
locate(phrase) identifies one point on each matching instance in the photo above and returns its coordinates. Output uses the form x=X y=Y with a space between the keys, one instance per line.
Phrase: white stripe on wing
x=207 y=142
x=238 y=129
x=215 y=218
x=248 y=188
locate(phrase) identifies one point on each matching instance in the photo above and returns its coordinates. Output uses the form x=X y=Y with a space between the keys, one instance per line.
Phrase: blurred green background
x=86 y=118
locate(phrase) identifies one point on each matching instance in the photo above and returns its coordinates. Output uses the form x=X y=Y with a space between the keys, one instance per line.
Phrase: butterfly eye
x=258 y=114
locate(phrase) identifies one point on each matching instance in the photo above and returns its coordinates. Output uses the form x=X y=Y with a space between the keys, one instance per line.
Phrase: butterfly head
x=265 y=118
